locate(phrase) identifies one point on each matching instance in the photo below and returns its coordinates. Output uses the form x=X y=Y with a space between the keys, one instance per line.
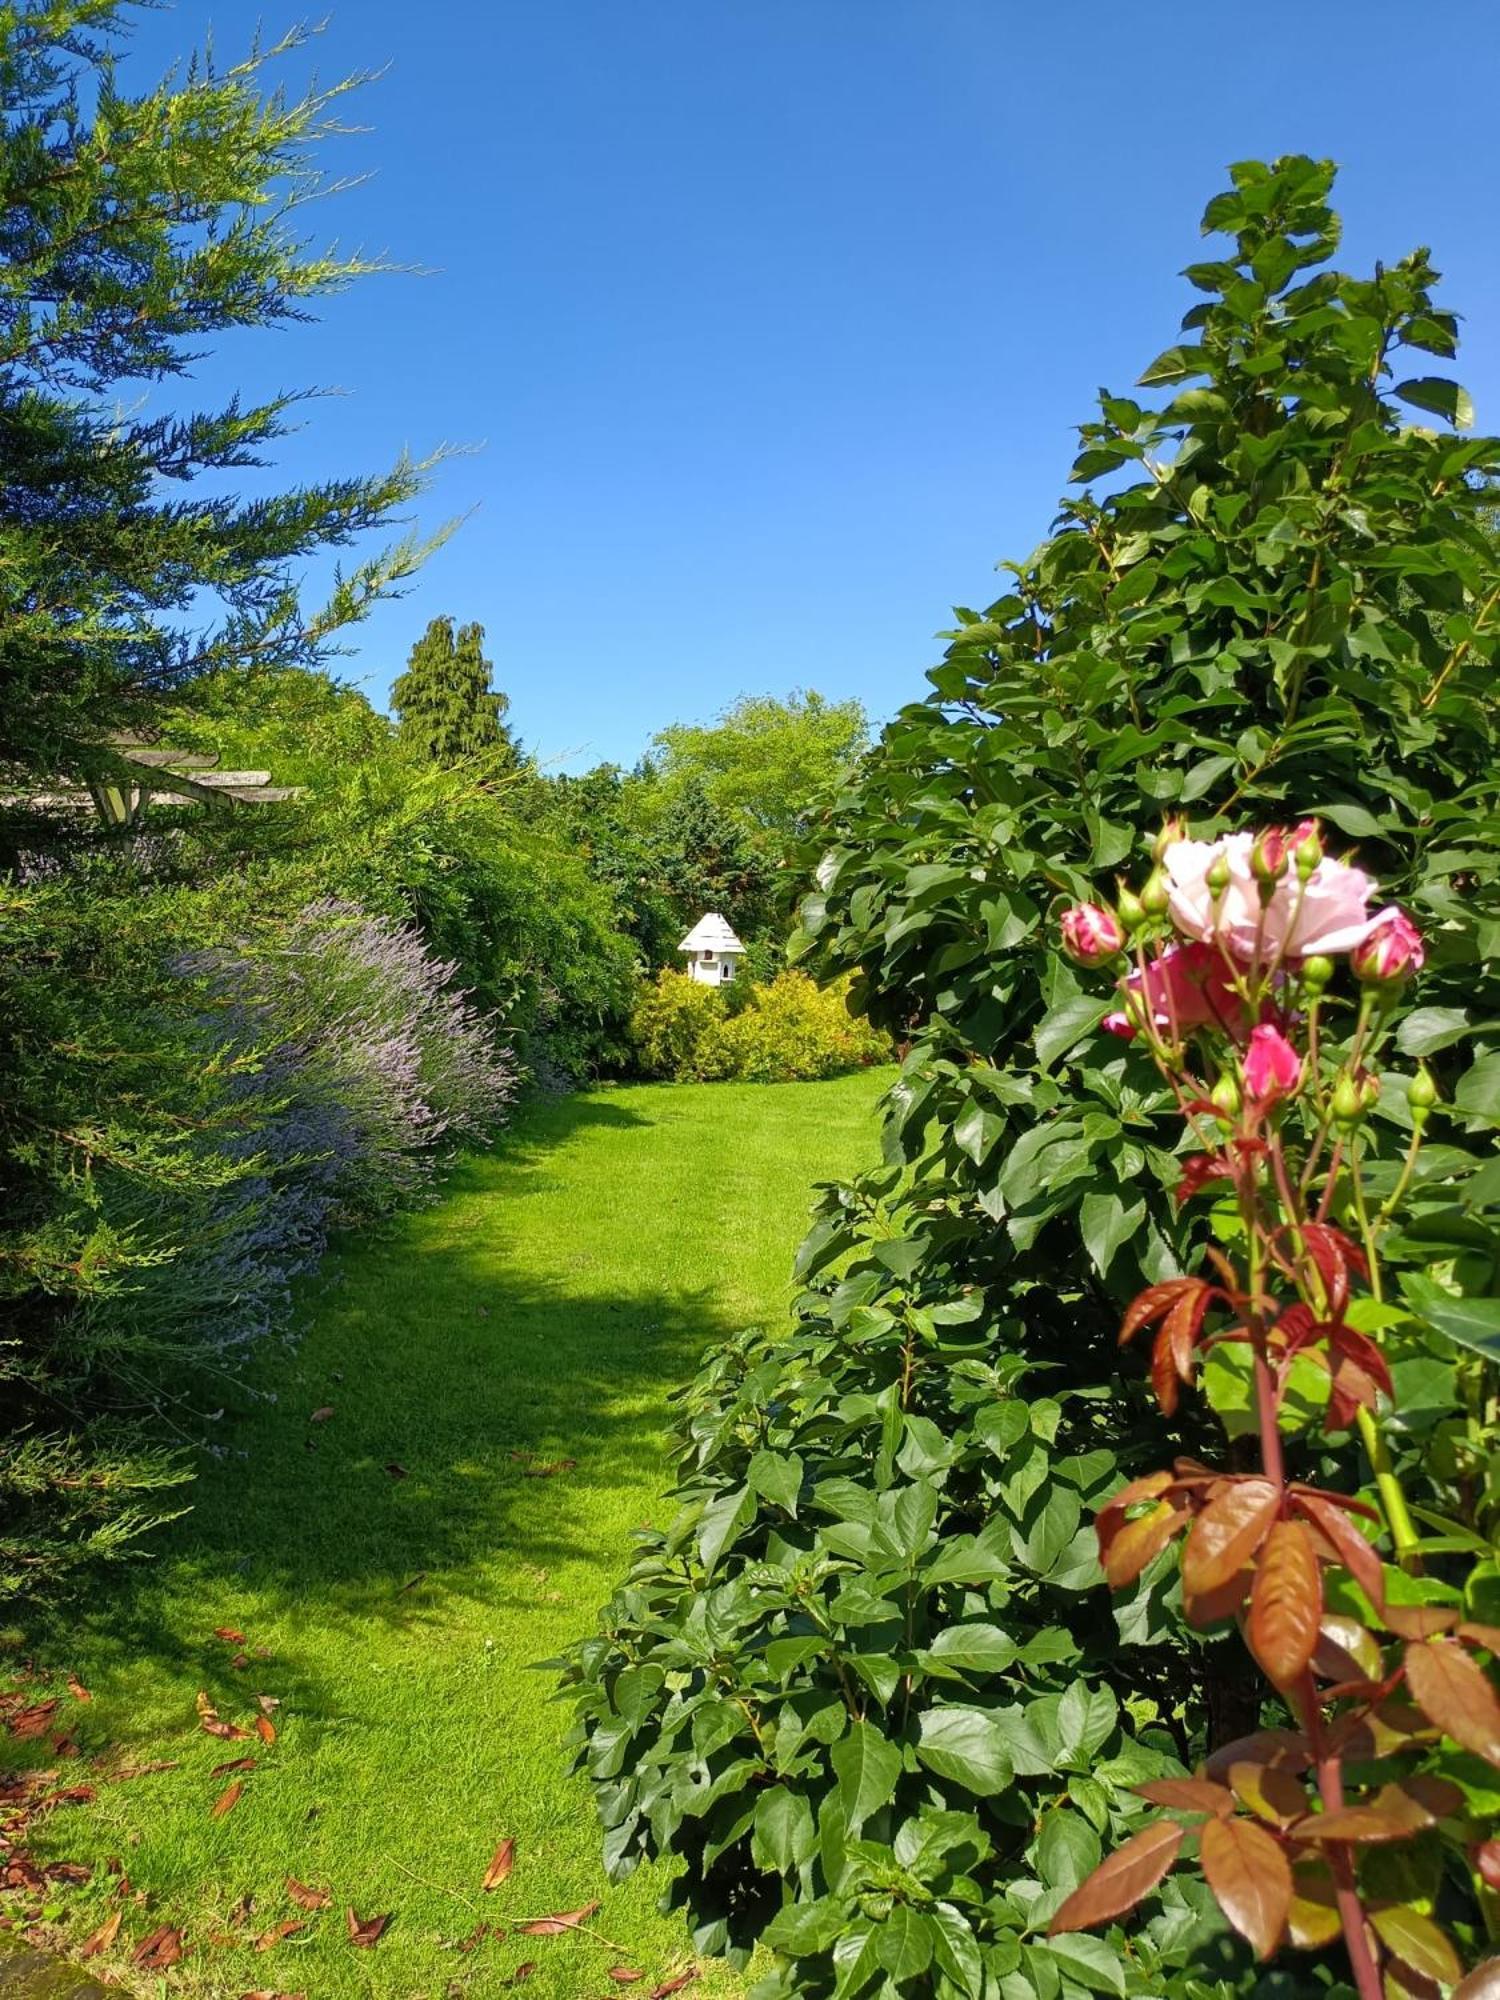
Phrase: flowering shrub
x=788 y=1031
x=1275 y=1082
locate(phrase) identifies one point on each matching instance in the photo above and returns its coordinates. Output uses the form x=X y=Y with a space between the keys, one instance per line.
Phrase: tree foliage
x=869 y=1685
x=770 y=760
x=447 y=710
x=133 y=228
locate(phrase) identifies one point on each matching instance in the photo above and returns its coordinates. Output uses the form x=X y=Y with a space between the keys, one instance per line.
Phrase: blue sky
x=769 y=321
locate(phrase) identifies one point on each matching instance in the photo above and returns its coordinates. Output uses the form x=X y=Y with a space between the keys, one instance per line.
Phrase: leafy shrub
x=790 y=1031
x=1282 y=603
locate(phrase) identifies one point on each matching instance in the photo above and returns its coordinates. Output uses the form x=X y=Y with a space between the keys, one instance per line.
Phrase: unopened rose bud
x=1348 y=1101
x=1156 y=897
x=1091 y=935
x=1421 y=1095
x=1307 y=848
x=1316 y=973
x=1369 y=1089
x=1392 y=950
x=1225 y=1097
x=1217 y=878
x=1129 y=909
x=1268 y=856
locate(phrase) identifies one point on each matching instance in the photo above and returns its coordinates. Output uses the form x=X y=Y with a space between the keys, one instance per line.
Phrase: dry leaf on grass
x=624 y=1975
x=227 y=1732
x=77 y=1689
x=70 y=1871
x=158 y=1951
x=554 y=1926
x=229 y=1635
x=240 y=1662
x=265 y=1993
x=234 y=1764
x=476 y=1936
x=366 y=1930
x=501 y=1865
x=33 y=1721
x=288 y=1927
x=227 y=1800
x=674 y=1985
x=395 y=1470
x=321 y=1416
x=142 y=1770
x=308 y=1899
x=523 y=1971
x=104 y=1937
x=265 y=1729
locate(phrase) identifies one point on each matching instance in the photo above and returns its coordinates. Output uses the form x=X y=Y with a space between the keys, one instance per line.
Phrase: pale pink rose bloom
x=1188 y=984
x=1272 y=1066
x=1392 y=951
x=1330 y=914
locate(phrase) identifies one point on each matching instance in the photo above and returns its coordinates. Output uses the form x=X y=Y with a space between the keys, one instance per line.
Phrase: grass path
x=542 y=1313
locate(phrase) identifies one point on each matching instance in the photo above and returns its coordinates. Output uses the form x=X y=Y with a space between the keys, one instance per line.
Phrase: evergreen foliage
x=132 y=229
x=448 y=711
x=869 y=1686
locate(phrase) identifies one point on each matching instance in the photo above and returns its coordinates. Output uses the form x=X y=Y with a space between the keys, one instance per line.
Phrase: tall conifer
x=447 y=709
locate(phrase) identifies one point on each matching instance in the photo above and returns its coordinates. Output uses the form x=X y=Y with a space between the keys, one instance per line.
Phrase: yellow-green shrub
x=789 y=1031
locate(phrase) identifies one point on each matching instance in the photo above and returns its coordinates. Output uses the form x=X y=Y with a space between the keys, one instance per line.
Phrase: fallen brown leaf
x=104 y=1937
x=243 y=1910
x=265 y=1729
x=227 y=1800
x=550 y=1470
x=227 y=1732
x=412 y=1582
x=288 y=1927
x=366 y=1930
x=395 y=1470
x=70 y=1871
x=74 y=1795
x=624 y=1975
x=64 y=1746
x=674 y=1985
x=476 y=1936
x=265 y=1993
x=564 y=1920
x=142 y=1770
x=240 y=1661
x=266 y=1702
x=229 y=1635
x=523 y=1971
x=33 y=1721
x=321 y=1416
x=234 y=1764
x=310 y=1899
x=77 y=1689
x=501 y=1865
x=162 y=1948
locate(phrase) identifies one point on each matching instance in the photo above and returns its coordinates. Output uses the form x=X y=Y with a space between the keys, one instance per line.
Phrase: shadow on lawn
x=443 y=1356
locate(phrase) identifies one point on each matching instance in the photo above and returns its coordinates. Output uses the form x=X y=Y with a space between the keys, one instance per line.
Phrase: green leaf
x=721 y=1521
x=1067 y=1850
x=1430 y=1028
x=800 y=1929
x=635 y=1693
x=1066 y=1026
x=1472 y=1323
x=1478 y=1090
x=980 y=1649
x=1437 y=393
x=956 y=1950
x=783 y=1836
x=867 y=1768
x=1105 y=1223
x=777 y=1477
x=1175 y=364
x=903 y=1943
x=967 y=1745
x=1089 y=1960
x=1002 y=1426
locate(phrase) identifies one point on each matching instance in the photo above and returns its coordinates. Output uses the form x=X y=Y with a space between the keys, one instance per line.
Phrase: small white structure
x=713 y=951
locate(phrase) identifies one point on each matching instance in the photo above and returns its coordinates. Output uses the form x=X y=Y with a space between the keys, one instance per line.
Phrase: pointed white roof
x=711 y=933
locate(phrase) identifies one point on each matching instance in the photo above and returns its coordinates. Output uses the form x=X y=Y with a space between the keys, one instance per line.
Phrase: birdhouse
x=712 y=950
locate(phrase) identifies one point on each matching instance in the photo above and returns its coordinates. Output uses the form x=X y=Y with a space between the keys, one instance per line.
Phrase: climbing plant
x=870 y=1685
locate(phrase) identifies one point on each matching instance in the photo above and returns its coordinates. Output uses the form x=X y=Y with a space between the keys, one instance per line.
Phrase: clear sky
x=769 y=320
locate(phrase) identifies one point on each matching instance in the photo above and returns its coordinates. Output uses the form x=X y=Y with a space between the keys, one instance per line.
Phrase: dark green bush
x=869 y=1686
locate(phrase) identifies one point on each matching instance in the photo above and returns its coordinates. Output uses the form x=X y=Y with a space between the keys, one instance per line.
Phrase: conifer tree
x=133 y=228
x=448 y=711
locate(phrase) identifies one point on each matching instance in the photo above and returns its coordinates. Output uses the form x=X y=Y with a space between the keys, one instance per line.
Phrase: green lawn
x=541 y=1313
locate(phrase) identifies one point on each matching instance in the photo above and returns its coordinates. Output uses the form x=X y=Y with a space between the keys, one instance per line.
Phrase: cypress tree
x=448 y=711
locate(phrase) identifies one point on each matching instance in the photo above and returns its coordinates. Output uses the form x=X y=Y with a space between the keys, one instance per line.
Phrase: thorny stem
x=1340 y=1861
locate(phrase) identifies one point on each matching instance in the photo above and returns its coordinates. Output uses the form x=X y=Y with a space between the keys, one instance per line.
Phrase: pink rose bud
x=1392 y=951
x=1091 y=935
x=1268 y=855
x=1273 y=1067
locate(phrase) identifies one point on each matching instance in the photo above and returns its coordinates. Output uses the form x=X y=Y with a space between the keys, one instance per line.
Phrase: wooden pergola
x=139 y=774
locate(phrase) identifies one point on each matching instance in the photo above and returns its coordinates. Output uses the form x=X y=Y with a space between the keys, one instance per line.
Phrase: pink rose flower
x=1273 y=1067
x=1091 y=935
x=1391 y=950
x=1327 y=914
x=1189 y=985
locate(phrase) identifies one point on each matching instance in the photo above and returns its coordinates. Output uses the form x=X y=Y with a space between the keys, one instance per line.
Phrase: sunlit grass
x=541 y=1314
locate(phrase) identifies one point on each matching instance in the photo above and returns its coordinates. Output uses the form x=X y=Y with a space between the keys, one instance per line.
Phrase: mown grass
x=542 y=1313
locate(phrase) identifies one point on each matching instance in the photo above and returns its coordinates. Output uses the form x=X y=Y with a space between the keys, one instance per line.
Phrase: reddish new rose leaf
x=1313 y=1919
x=306 y=1898
x=501 y=1863
x=1164 y=1375
x=1250 y=1877
x=566 y=1920
x=1286 y=1604
x=1487 y=1637
x=1188 y=1795
x=1271 y=1793
x=101 y=1939
x=227 y=1800
x=1347 y=1543
x=163 y=1948
x=1454 y=1691
x=366 y=1930
x=1121 y=1879
x=1156 y=1301
x=1417 y=1942
x=1136 y=1543
x=1227 y=1534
